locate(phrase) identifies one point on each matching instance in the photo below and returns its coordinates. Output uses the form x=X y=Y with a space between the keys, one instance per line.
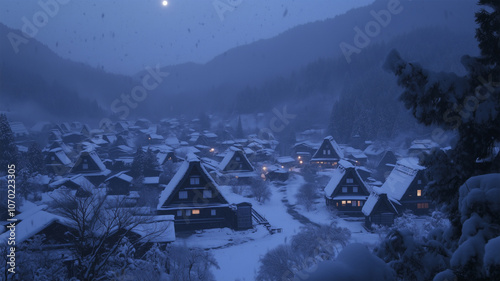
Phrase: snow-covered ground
x=238 y=252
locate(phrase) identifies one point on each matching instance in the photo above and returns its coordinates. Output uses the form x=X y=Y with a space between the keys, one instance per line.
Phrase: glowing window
x=196 y=212
x=343 y=202
x=419 y=192
x=422 y=205
x=348 y=201
x=183 y=194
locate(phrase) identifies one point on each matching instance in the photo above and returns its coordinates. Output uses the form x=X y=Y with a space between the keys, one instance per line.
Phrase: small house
x=193 y=197
x=346 y=191
x=328 y=154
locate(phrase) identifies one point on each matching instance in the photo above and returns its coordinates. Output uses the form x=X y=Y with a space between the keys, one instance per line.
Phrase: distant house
x=357 y=156
x=80 y=185
x=19 y=130
x=56 y=230
x=90 y=165
x=328 y=154
x=303 y=151
x=193 y=197
x=275 y=173
x=119 y=184
x=235 y=164
x=152 y=138
x=405 y=185
x=57 y=161
x=346 y=191
x=165 y=156
x=419 y=147
x=286 y=162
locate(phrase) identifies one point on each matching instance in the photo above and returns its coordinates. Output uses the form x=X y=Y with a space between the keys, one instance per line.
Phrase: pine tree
x=137 y=168
x=239 y=129
x=8 y=150
x=468 y=105
x=35 y=159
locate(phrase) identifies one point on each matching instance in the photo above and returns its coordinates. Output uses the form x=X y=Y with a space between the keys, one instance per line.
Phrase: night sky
x=124 y=36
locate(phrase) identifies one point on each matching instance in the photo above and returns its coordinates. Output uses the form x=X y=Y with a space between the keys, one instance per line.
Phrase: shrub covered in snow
x=355 y=262
x=479 y=206
x=307 y=195
x=260 y=190
x=309 y=247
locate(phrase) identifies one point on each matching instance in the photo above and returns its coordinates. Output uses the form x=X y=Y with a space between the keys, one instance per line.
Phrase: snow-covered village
x=248 y=140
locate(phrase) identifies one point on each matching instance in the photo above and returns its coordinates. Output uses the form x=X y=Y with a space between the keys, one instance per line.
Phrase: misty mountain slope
x=38 y=76
x=365 y=96
x=253 y=63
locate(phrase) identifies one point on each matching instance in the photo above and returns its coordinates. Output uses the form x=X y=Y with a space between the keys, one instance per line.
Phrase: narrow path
x=290 y=209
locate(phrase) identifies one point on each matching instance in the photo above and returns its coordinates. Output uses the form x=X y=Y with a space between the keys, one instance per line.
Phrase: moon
x=164 y=3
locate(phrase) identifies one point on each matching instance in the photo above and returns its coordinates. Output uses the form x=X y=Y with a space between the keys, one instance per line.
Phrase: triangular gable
x=231 y=162
x=388 y=158
x=180 y=182
x=329 y=149
x=88 y=162
x=339 y=179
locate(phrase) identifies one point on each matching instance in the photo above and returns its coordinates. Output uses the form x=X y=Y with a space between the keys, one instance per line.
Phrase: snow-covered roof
x=59 y=153
x=18 y=128
x=370 y=204
x=337 y=176
x=374 y=150
x=79 y=180
x=229 y=155
x=97 y=160
x=122 y=176
x=169 y=188
x=30 y=226
x=151 y=180
x=172 y=141
x=285 y=160
x=400 y=178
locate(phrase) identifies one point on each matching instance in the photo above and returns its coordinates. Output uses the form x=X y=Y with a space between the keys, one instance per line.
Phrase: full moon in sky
x=164 y=3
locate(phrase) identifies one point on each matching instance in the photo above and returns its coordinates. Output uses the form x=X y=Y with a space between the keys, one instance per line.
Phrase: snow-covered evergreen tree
x=467 y=105
x=8 y=150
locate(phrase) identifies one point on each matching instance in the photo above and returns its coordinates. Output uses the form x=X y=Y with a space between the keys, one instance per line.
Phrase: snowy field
x=238 y=252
